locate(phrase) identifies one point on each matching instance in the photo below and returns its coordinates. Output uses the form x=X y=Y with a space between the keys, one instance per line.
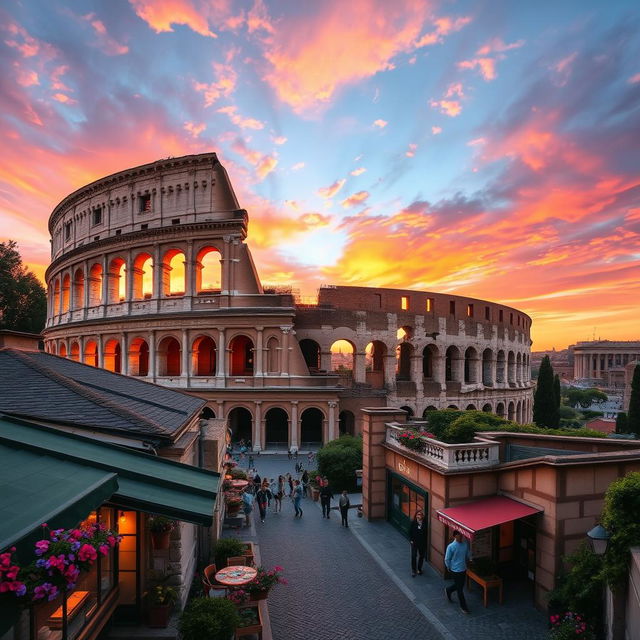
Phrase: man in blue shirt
x=456 y=557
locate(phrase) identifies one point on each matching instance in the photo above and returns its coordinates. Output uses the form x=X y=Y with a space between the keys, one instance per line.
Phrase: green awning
x=38 y=488
x=145 y=482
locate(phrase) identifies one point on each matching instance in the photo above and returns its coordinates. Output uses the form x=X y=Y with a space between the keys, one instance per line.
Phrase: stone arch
x=519 y=412
x=409 y=410
x=169 y=361
x=311 y=353
x=207 y=413
x=117 y=283
x=78 y=289
x=500 y=409
x=343 y=354
x=404 y=333
x=511 y=368
x=90 y=356
x=404 y=351
x=471 y=407
x=430 y=356
x=74 y=351
x=66 y=292
x=240 y=421
x=52 y=348
x=311 y=428
x=95 y=285
x=62 y=351
x=174 y=279
x=142 y=275
x=453 y=406
x=487 y=408
x=519 y=368
x=241 y=356
x=511 y=412
x=276 y=429
x=203 y=356
x=113 y=356
x=487 y=368
x=452 y=358
x=139 y=357
x=346 y=423
x=208 y=270
x=56 y=296
x=375 y=353
x=425 y=413
x=501 y=367
x=273 y=355
x=471 y=361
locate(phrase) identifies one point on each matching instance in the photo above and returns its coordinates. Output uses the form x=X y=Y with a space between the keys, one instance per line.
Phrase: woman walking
x=279 y=494
x=263 y=497
x=290 y=482
x=418 y=539
x=297 y=499
x=247 y=505
x=344 y=505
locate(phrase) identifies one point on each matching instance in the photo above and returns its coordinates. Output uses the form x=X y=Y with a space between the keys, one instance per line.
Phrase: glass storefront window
x=128 y=557
x=404 y=499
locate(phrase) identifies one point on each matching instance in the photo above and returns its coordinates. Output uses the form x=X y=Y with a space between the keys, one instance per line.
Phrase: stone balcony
x=480 y=454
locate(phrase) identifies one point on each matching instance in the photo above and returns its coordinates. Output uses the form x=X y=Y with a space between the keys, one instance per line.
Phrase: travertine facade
x=595 y=359
x=151 y=277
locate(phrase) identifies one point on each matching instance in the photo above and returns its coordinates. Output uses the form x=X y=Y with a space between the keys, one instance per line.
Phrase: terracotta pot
x=159 y=616
x=160 y=539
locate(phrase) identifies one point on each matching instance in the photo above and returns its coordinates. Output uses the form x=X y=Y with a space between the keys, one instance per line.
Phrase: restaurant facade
x=522 y=500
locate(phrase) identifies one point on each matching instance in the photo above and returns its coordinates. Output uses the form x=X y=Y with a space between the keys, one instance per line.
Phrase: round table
x=236 y=576
x=239 y=484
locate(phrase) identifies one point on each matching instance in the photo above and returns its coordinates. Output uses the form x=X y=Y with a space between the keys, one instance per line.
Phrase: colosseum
x=151 y=277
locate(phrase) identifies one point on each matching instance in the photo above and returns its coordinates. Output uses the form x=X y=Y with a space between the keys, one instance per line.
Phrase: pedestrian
x=247 y=506
x=305 y=483
x=257 y=481
x=455 y=560
x=273 y=487
x=263 y=498
x=326 y=496
x=344 y=505
x=296 y=454
x=289 y=453
x=290 y=483
x=310 y=458
x=250 y=460
x=418 y=540
x=297 y=499
x=279 y=493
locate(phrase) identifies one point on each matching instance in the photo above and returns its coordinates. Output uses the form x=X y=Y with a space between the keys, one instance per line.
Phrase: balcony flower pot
x=160 y=528
x=159 y=616
x=250 y=621
x=160 y=540
x=259 y=595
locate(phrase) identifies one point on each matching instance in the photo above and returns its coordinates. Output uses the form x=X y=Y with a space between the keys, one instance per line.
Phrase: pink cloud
x=195 y=129
x=25 y=77
x=223 y=85
x=359 y=171
x=64 y=99
x=266 y=165
x=454 y=89
x=451 y=108
x=497 y=45
x=263 y=163
x=411 y=151
x=436 y=130
x=380 y=123
x=240 y=121
x=20 y=39
x=443 y=27
x=279 y=140
x=161 y=15
x=634 y=79
x=355 y=199
x=107 y=43
x=331 y=190
x=487 y=66
x=297 y=166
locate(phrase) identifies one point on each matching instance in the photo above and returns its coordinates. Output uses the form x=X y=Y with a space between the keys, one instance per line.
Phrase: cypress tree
x=545 y=407
x=621 y=423
x=633 y=415
x=557 y=395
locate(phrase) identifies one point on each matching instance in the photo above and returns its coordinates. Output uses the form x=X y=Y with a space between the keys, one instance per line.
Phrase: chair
x=210 y=587
x=235 y=561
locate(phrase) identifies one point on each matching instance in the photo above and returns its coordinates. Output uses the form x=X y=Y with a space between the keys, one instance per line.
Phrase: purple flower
x=42 y=546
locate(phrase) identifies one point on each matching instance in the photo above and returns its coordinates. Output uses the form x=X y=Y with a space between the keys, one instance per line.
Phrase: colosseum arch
x=487 y=366
x=486 y=408
x=74 y=351
x=311 y=428
x=95 y=285
x=52 y=348
x=425 y=413
x=169 y=357
x=139 y=357
x=404 y=352
x=471 y=366
x=452 y=364
x=240 y=423
x=471 y=407
x=91 y=353
x=66 y=292
x=343 y=354
x=142 y=276
x=430 y=356
x=511 y=368
x=500 y=409
x=113 y=356
x=518 y=412
x=346 y=423
x=117 y=281
x=511 y=412
x=208 y=270
x=500 y=367
x=404 y=333
x=276 y=429
x=78 y=289
x=62 y=351
x=409 y=410
x=203 y=351
x=375 y=353
x=453 y=406
x=241 y=356
x=173 y=273
x=519 y=368
x=311 y=353
x=56 y=297
x=207 y=414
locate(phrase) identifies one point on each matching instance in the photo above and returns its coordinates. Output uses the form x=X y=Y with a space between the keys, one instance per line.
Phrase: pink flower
x=42 y=546
x=104 y=549
x=87 y=553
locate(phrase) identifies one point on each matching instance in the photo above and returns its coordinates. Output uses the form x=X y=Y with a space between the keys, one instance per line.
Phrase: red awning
x=486 y=512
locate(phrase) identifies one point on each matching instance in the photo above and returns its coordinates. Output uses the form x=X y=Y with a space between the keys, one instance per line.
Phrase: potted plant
x=160 y=528
x=260 y=586
x=233 y=502
x=210 y=618
x=238 y=474
x=161 y=599
x=225 y=548
x=250 y=621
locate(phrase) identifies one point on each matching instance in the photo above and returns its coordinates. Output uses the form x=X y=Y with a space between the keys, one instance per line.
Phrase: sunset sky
x=489 y=149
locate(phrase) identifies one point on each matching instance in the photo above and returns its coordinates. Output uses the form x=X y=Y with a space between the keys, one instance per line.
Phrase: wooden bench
x=486 y=583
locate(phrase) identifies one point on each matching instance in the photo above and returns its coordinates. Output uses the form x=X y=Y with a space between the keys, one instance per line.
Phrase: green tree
x=585 y=397
x=23 y=302
x=633 y=414
x=557 y=394
x=545 y=408
x=622 y=425
x=339 y=459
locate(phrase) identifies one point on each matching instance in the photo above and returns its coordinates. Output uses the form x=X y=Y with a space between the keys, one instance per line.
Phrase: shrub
x=237 y=474
x=225 y=548
x=463 y=429
x=438 y=421
x=210 y=618
x=339 y=460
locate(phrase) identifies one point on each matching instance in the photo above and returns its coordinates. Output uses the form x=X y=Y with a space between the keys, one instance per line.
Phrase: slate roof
x=45 y=387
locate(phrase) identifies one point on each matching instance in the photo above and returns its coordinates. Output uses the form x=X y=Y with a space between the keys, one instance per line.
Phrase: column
x=225 y=259
x=332 y=421
x=597 y=367
x=221 y=355
x=87 y=287
x=259 y=353
x=294 y=429
x=124 y=354
x=416 y=373
x=152 y=355
x=157 y=272
x=440 y=369
x=100 y=352
x=190 y=271
x=185 y=353
x=390 y=369
x=130 y=277
x=285 y=350
x=360 y=374
x=325 y=360
x=257 y=429
x=493 y=365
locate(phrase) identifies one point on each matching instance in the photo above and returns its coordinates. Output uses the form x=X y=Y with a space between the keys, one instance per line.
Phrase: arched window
x=66 y=292
x=204 y=356
x=113 y=356
x=347 y=423
x=273 y=356
x=95 y=285
x=207 y=414
x=56 y=297
x=487 y=408
x=139 y=358
x=471 y=407
x=117 y=289
x=511 y=368
x=241 y=424
x=500 y=409
x=374 y=363
x=78 y=289
x=91 y=353
x=470 y=366
x=63 y=350
x=425 y=413
x=500 y=368
x=487 y=374
x=52 y=348
x=311 y=354
x=311 y=428
x=512 y=412
x=409 y=411
x=208 y=270
x=452 y=373
x=276 y=435
x=343 y=357
x=518 y=412
x=169 y=357
x=404 y=351
x=74 y=352
x=142 y=276
x=241 y=356
x=429 y=357
x=173 y=273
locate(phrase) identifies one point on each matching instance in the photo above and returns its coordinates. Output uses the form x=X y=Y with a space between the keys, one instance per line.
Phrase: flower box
x=252 y=615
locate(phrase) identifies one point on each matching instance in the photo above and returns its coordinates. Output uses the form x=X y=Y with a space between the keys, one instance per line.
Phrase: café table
x=239 y=484
x=236 y=576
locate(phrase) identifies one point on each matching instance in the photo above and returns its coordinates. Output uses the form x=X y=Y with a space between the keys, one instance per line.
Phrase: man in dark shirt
x=326 y=495
x=418 y=539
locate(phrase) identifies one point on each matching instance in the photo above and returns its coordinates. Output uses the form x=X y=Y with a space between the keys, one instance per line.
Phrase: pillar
x=100 y=352
x=390 y=369
x=190 y=271
x=185 y=357
x=440 y=369
x=331 y=435
x=360 y=371
x=295 y=427
x=221 y=354
x=124 y=354
x=416 y=372
x=259 y=353
x=257 y=429
x=152 y=355
x=325 y=360
x=157 y=272
x=286 y=332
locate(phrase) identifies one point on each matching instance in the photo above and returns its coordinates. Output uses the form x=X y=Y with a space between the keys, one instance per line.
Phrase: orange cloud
x=223 y=86
x=161 y=15
x=355 y=199
x=279 y=140
x=359 y=171
x=451 y=108
x=266 y=165
x=380 y=123
x=331 y=190
x=195 y=129
x=411 y=151
x=64 y=99
x=238 y=120
x=107 y=43
x=487 y=66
